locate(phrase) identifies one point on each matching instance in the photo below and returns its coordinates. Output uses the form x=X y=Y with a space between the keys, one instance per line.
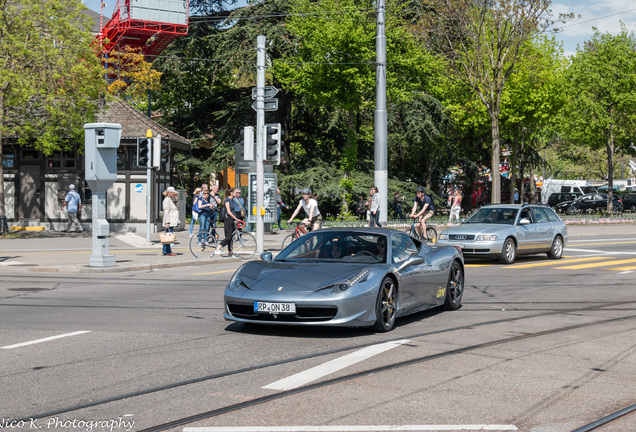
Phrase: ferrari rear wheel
x=386 y=306
x=454 y=288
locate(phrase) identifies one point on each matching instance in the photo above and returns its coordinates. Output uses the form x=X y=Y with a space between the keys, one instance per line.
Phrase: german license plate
x=275 y=308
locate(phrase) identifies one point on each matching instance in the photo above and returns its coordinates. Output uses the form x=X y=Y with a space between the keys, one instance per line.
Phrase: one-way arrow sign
x=270 y=105
x=270 y=92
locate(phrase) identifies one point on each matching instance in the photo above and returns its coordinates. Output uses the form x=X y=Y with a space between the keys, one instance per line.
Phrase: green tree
x=531 y=99
x=600 y=108
x=49 y=75
x=482 y=41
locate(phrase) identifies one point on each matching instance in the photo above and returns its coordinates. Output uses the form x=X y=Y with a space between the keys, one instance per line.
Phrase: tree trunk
x=495 y=194
x=3 y=92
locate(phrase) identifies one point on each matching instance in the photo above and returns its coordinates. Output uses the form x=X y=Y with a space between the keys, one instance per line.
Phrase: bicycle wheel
x=205 y=249
x=244 y=245
x=431 y=234
x=287 y=241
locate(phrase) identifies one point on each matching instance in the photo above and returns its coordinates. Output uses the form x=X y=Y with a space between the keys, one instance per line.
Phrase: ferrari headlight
x=442 y=237
x=345 y=285
x=486 y=237
x=235 y=282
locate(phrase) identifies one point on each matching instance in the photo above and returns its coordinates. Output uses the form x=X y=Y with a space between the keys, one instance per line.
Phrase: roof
x=134 y=124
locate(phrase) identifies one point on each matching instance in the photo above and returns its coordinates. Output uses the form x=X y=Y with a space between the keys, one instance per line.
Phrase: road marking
x=624 y=272
x=216 y=272
x=598 y=264
x=600 y=251
x=371 y=428
x=553 y=262
x=332 y=366
x=47 y=339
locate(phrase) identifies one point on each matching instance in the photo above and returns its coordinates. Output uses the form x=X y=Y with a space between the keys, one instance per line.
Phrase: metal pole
x=148 y=203
x=260 y=140
x=381 y=126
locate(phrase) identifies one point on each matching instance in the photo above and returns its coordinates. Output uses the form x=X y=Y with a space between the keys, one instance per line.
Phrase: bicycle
x=431 y=232
x=298 y=232
x=243 y=243
x=208 y=244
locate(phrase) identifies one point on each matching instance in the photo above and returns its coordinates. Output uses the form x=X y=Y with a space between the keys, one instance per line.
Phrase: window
x=8 y=159
x=121 y=158
x=61 y=160
x=540 y=215
x=402 y=246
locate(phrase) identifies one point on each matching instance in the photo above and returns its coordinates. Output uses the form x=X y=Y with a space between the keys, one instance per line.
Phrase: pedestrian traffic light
x=247 y=144
x=143 y=151
x=273 y=142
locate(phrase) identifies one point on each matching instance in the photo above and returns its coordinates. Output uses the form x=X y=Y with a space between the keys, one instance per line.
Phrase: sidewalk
x=52 y=251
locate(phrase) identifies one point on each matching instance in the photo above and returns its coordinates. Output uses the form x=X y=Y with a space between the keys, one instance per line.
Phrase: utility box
x=101 y=141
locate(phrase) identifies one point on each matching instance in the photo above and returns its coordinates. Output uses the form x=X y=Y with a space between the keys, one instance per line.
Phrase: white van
x=551 y=186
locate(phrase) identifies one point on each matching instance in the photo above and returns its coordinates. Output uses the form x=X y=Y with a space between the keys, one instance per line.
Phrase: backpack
x=195 y=205
x=222 y=212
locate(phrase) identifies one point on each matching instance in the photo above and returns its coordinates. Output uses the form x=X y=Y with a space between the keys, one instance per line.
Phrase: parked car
x=629 y=201
x=589 y=203
x=346 y=277
x=505 y=231
x=559 y=197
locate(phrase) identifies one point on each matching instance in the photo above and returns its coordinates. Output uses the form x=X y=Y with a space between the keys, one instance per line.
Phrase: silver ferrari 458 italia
x=353 y=277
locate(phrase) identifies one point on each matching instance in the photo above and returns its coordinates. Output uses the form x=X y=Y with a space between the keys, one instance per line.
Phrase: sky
x=606 y=15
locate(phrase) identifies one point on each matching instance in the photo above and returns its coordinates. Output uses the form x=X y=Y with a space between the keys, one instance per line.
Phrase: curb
x=124 y=268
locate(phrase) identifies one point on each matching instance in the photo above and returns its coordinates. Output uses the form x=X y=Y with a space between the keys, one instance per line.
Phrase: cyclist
x=423 y=209
x=310 y=205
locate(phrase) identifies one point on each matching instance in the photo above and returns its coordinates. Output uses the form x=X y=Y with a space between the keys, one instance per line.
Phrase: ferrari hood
x=295 y=277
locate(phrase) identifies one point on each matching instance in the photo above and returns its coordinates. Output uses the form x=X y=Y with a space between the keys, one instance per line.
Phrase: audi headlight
x=486 y=237
x=341 y=287
x=442 y=237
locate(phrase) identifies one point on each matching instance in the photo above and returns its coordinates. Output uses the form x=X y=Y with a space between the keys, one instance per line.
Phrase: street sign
x=270 y=92
x=270 y=105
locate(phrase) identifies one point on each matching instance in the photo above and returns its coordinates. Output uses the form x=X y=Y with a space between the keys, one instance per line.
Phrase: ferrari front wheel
x=386 y=306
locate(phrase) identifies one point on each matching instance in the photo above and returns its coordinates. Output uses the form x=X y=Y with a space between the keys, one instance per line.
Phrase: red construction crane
x=146 y=24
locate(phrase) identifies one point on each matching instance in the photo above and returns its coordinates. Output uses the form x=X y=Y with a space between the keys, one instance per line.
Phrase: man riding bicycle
x=423 y=209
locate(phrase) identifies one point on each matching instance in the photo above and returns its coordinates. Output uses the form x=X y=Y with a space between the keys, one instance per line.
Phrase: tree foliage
x=482 y=41
x=600 y=109
x=49 y=75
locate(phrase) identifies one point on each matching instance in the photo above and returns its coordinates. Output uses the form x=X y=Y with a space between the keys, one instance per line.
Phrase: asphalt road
x=541 y=345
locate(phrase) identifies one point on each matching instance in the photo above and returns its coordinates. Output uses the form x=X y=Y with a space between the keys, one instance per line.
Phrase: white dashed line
x=332 y=366
x=44 y=339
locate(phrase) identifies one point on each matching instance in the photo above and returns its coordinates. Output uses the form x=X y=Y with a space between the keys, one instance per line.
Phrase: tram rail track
x=328 y=382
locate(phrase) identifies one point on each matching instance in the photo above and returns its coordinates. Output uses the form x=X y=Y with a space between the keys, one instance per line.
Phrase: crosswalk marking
x=627 y=268
x=552 y=262
x=598 y=264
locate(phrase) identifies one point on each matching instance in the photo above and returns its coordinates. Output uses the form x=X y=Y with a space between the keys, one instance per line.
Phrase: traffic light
x=273 y=143
x=158 y=151
x=143 y=151
x=247 y=143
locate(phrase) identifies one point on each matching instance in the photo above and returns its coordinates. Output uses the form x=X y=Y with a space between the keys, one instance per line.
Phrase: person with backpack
x=195 y=209
x=423 y=209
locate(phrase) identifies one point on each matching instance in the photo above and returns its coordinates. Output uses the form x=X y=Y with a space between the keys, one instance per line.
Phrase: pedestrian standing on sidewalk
x=170 y=216
x=375 y=207
x=279 y=207
x=73 y=204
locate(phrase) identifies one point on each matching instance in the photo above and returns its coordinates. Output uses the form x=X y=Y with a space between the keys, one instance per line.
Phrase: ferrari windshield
x=493 y=215
x=336 y=246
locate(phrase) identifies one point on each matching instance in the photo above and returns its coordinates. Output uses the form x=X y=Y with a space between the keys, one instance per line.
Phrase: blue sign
x=139 y=188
